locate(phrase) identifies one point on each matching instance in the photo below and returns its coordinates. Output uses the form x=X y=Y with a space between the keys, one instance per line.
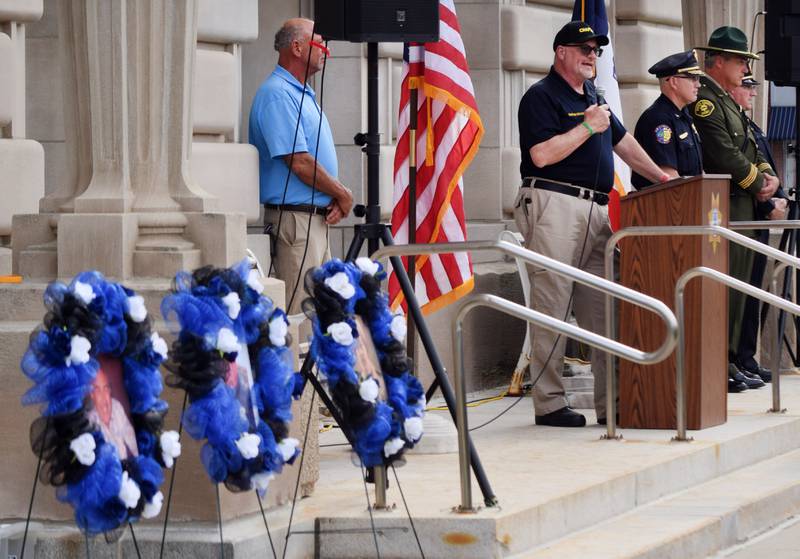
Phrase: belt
x=300 y=208
x=599 y=198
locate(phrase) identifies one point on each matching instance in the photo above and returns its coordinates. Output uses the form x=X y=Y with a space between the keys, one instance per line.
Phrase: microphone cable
x=313 y=179
x=277 y=230
x=599 y=94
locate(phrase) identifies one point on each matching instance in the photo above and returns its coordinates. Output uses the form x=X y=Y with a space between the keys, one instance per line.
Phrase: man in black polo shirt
x=567 y=136
x=666 y=130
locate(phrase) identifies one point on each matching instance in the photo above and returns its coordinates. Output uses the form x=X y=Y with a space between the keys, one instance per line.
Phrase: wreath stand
x=374 y=232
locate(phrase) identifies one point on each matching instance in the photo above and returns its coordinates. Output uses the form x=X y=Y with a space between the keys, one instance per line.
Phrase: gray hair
x=711 y=57
x=288 y=33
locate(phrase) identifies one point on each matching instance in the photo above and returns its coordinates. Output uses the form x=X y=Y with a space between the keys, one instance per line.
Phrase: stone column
x=21 y=160
x=128 y=205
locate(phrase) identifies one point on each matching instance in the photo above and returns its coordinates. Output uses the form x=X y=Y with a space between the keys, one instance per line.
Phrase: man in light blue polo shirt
x=297 y=211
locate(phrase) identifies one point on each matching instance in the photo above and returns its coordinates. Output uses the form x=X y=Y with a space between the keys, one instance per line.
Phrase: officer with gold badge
x=729 y=147
x=665 y=130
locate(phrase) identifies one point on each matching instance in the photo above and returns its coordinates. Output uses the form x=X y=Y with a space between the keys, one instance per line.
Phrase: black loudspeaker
x=782 y=42
x=378 y=21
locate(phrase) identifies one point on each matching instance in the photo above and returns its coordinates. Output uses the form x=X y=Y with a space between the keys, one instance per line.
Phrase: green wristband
x=589 y=128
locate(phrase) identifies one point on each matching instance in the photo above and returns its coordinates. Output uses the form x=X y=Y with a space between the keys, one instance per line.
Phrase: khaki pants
x=555 y=225
x=290 y=242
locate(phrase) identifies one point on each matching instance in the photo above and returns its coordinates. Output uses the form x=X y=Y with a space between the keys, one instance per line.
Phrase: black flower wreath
x=107 y=484
x=341 y=291
x=228 y=330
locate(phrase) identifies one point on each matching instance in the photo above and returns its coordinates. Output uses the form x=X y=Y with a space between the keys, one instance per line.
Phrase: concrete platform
x=556 y=489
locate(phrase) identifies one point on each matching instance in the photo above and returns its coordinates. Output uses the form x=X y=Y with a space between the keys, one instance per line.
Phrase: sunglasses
x=321 y=47
x=586 y=50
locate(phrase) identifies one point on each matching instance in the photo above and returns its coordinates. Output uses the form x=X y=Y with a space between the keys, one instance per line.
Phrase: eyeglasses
x=586 y=50
x=321 y=47
x=691 y=77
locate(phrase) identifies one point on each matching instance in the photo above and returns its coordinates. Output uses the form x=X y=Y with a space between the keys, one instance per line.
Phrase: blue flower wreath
x=218 y=312
x=89 y=318
x=339 y=291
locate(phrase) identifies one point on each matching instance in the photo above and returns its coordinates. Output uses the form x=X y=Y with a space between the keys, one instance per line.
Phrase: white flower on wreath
x=366 y=265
x=399 y=328
x=393 y=446
x=413 y=428
x=260 y=481
x=78 y=351
x=129 y=492
x=278 y=330
x=159 y=345
x=288 y=447
x=170 y=447
x=152 y=508
x=233 y=304
x=248 y=445
x=227 y=342
x=341 y=333
x=84 y=292
x=254 y=281
x=136 y=308
x=340 y=283
x=83 y=448
x=368 y=390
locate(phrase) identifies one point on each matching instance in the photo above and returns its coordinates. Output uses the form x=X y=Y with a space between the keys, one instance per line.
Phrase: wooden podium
x=652 y=265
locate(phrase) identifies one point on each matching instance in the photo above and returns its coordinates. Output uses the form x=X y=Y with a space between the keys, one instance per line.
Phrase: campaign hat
x=731 y=40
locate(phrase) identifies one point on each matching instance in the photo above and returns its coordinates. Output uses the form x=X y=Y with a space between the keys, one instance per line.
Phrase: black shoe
x=735 y=387
x=752 y=380
x=565 y=417
x=736 y=374
x=761 y=372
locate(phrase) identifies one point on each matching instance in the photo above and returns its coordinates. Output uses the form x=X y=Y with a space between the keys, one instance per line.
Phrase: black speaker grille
x=378 y=21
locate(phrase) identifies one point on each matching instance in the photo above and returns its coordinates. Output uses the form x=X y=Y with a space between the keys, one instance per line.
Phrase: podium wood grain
x=652 y=265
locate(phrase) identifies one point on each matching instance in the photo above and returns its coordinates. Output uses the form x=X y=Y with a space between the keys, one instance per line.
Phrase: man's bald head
x=295 y=29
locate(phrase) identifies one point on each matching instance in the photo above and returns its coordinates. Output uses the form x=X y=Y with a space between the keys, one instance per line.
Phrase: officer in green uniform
x=729 y=147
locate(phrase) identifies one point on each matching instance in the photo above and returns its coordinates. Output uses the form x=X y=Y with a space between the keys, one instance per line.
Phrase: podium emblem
x=714 y=218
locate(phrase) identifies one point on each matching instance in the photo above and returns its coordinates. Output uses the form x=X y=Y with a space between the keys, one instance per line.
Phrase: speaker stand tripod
x=374 y=232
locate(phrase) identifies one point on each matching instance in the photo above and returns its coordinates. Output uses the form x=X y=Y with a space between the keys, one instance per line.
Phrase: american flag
x=594 y=13
x=449 y=131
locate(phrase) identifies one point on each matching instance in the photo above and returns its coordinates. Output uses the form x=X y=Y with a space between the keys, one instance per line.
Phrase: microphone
x=600 y=94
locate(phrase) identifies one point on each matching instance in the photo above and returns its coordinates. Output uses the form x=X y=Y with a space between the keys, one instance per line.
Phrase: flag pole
x=411 y=336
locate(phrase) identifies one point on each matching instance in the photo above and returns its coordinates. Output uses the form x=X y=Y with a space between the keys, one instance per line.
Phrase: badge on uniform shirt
x=663 y=134
x=703 y=108
x=683 y=136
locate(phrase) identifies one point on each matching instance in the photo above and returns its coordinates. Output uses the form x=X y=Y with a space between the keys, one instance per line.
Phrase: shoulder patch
x=703 y=108
x=663 y=134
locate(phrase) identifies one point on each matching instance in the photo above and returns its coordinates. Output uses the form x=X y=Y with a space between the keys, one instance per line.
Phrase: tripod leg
x=438 y=369
x=355 y=245
x=305 y=370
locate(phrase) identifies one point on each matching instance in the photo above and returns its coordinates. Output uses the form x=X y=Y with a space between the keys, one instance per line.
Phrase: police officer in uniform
x=729 y=147
x=770 y=209
x=665 y=130
x=567 y=138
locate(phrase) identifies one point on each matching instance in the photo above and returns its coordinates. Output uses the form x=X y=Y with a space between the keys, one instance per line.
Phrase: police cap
x=749 y=80
x=682 y=63
x=577 y=32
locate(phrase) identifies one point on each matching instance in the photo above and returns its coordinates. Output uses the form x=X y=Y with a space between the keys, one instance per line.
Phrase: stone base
x=5 y=261
x=46 y=246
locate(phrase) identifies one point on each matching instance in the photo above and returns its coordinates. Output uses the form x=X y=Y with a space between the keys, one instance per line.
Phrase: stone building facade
x=123 y=139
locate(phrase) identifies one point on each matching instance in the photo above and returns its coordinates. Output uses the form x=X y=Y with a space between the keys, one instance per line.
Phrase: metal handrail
x=661 y=230
x=596 y=340
x=733 y=283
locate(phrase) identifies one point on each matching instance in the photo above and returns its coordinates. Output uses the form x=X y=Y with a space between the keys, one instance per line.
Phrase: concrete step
x=694 y=523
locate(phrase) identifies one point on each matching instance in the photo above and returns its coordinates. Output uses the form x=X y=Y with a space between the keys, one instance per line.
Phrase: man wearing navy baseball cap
x=567 y=138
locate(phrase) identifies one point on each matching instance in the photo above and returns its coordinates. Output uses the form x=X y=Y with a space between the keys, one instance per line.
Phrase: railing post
x=461 y=419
